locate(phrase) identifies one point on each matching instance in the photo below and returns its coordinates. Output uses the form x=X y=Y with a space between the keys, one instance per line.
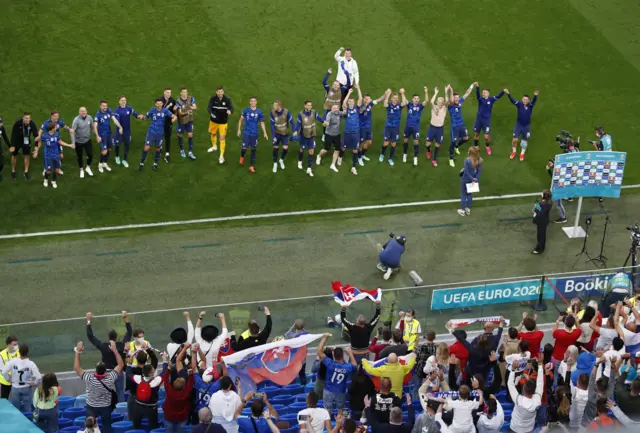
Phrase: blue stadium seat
x=121 y=408
x=74 y=412
x=299 y=405
x=278 y=406
x=293 y=389
x=144 y=425
x=69 y=430
x=81 y=401
x=136 y=431
x=301 y=397
x=158 y=430
x=311 y=377
x=294 y=429
x=65 y=402
x=246 y=412
x=320 y=403
x=507 y=406
x=126 y=395
x=162 y=394
x=309 y=387
x=160 y=415
x=64 y=422
x=271 y=391
x=121 y=426
x=79 y=421
x=292 y=418
x=283 y=400
x=115 y=417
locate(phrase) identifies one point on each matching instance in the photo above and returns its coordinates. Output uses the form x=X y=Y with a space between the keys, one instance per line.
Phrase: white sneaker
x=106 y=166
x=309 y=172
x=318 y=159
x=322 y=138
x=461 y=212
x=87 y=170
x=415 y=161
x=366 y=158
x=354 y=171
x=361 y=162
x=387 y=274
x=299 y=165
x=404 y=158
x=60 y=172
x=281 y=164
x=125 y=164
x=391 y=163
x=45 y=183
x=221 y=160
x=339 y=161
x=451 y=163
x=44 y=172
x=81 y=174
x=212 y=149
x=333 y=167
x=117 y=160
x=100 y=168
x=54 y=184
x=457 y=151
x=467 y=211
x=275 y=167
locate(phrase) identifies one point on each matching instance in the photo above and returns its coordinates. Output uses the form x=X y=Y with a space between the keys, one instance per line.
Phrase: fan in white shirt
x=462 y=410
x=523 y=417
x=226 y=405
x=208 y=338
x=494 y=423
x=350 y=65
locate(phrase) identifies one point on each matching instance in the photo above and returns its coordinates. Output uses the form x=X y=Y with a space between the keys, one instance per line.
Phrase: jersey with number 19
x=337 y=374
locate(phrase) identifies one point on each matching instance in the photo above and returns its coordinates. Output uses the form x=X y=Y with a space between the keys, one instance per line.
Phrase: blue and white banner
x=588 y=174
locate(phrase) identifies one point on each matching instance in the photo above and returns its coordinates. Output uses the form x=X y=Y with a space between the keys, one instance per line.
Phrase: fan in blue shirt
x=351 y=137
x=412 y=125
x=102 y=128
x=204 y=390
x=252 y=117
x=155 y=133
x=338 y=371
x=124 y=113
x=483 y=118
x=459 y=133
x=523 y=123
x=392 y=125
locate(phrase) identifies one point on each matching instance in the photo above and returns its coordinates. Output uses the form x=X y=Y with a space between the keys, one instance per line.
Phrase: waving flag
x=225 y=349
x=459 y=323
x=345 y=295
x=403 y=360
x=279 y=362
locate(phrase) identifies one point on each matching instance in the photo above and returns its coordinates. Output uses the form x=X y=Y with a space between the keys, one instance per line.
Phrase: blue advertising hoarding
x=588 y=174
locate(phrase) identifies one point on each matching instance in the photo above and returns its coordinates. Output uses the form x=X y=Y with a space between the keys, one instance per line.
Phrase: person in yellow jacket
x=411 y=328
x=392 y=369
x=7 y=355
x=135 y=346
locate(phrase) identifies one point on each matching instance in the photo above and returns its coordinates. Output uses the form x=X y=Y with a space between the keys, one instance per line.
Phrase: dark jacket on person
x=137 y=370
x=261 y=338
x=378 y=427
x=541 y=212
x=218 y=109
x=360 y=335
x=478 y=361
x=361 y=386
x=108 y=358
x=20 y=129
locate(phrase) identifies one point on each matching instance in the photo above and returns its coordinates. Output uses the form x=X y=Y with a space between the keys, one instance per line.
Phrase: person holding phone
x=317 y=417
x=254 y=336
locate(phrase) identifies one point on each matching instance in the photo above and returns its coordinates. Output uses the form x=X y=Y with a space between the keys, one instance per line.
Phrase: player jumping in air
x=412 y=126
x=392 y=125
x=459 y=133
x=52 y=152
x=307 y=119
x=185 y=105
x=280 y=119
x=351 y=137
x=523 y=123
x=102 y=128
x=251 y=116
x=123 y=113
x=365 y=125
x=483 y=118
x=436 y=126
x=155 y=133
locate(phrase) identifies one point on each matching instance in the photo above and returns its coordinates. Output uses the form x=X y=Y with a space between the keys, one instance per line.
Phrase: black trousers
x=542 y=237
x=84 y=148
x=5 y=390
x=168 y=132
x=1 y=162
x=141 y=411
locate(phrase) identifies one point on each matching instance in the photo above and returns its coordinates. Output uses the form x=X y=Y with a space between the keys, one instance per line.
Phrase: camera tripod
x=584 y=245
x=601 y=258
x=633 y=256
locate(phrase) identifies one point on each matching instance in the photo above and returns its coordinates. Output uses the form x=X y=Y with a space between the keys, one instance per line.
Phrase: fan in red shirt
x=532 y=335
x=376 y=345
x=461 y=353
x=178 y=385
x=564 y=337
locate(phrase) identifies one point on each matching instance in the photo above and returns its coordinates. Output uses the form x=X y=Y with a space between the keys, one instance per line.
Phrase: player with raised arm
x=435 y=133
x=155 y=133
x=483 y=118
x=102 y=128
x=333 y=94
x=351 y=137
x=459 y=133
x=280 y=119
x=523 y=123
x=307 y=119
x=52 y=145
x=412 y=125
x=392 y=125
x=251 y=116
x=124 y=113
x=365 y=125
x=186 y=105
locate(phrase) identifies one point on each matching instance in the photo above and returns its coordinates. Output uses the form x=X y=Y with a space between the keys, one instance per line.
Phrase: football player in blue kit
x=412 y=125
x=392 y=125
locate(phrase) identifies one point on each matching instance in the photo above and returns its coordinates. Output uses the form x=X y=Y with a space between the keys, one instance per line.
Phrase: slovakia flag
x=345 y=295
x=279 y=362
x=403 y=360
x=225 y=349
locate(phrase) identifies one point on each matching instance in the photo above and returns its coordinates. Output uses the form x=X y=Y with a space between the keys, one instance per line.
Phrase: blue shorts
x=106 y=142
x=186 y=127
x=522 y=131
x=125 y=137
x=280 y=140
x=412 y=132
x=307 y=143
x=435 y=133
x=482 y=125
x=249 y=141
x=51 y=164
x=154 y=140
x=458 y=132
x=351 y=140
x=391 y=133
x=365 y=135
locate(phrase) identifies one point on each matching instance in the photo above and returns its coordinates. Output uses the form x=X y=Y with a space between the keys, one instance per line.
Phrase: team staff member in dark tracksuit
x=3 y=135
x=541 y=212
x=170 y=104
x=21 y=134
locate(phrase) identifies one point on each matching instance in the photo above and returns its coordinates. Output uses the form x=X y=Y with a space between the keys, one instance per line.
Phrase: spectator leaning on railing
x=108 y=358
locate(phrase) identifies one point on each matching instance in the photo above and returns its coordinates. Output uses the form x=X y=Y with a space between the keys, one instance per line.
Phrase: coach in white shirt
x=350 y=65
x=23 y=374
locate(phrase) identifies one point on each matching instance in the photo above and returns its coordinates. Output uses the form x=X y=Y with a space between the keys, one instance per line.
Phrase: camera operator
x=568 y=145
x=389 y=257
x=604 y=144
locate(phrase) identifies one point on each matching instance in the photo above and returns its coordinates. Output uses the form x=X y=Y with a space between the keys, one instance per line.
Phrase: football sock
x=126 y=151
x=214 y=140
x=180 y=142
x=144 y=156
x=190 y=140
x=300 y=155
x=416 y=149
x=475 y=143
x=435 y=152
x=253 y=157
x=354 y=159
x=275 y=154
x=405 y=147
x=156 y=158
x=384 y=149
x=223 y=146
x=243 y=152
x=392 y=152
x=309 y=161
x=284 y=153
x=117 y=150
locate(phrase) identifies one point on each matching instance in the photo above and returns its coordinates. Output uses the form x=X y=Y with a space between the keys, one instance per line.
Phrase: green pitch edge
x=30 y=260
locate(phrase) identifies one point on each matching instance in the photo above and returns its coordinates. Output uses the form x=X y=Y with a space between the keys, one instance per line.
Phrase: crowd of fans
x=396 y=382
